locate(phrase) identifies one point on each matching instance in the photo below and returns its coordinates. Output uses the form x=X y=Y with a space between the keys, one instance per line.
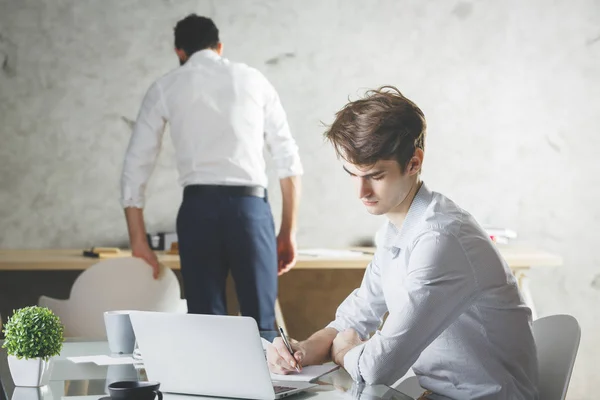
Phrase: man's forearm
x=290 y=193
x=135 y=225
x=318 y=347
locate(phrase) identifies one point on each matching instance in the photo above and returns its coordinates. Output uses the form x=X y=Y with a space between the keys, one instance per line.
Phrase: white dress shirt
x=455 y=312
x=221 y=115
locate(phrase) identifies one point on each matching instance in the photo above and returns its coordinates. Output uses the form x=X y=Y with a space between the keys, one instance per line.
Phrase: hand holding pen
x=281 y=357
x=296 y=365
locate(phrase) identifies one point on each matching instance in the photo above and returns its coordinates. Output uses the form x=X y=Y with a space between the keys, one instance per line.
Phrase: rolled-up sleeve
x=144 y=147
x=364 y=308
x=278 y=137
x=440 y=286
x=351 y=364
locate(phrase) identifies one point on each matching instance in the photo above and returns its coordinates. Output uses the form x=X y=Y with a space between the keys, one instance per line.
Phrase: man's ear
x=181 y=54
x=416 y=162
x=219 y=48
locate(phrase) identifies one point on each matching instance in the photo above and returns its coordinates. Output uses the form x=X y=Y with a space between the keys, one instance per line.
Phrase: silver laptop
x=207 y=355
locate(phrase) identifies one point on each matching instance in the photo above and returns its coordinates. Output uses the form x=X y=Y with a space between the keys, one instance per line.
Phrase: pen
x=287 y=345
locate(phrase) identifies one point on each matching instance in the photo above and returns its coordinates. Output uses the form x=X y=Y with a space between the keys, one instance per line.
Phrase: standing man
x=455 y=312
x=221 y=116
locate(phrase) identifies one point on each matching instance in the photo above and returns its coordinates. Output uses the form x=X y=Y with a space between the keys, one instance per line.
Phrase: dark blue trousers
x=218 y=233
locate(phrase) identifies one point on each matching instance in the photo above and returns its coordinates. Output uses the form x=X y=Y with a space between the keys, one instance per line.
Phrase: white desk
x=69 y=380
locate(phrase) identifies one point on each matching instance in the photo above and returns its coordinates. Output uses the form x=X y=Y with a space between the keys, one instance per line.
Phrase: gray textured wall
x=510 y=90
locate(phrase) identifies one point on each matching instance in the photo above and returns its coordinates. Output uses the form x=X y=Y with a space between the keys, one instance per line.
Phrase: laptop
x=209 y=355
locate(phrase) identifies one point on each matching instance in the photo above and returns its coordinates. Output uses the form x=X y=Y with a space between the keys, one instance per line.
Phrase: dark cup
x=134 y=390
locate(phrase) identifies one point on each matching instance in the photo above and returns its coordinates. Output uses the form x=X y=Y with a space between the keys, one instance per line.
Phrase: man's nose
x=364 y=188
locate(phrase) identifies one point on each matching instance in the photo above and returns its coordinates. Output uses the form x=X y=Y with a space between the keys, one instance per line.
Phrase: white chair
x=114 y=284
x=557 y=340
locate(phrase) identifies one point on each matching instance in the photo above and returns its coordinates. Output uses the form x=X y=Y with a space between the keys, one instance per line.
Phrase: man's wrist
x=287 y=232
x=138 y=242
x=340 y=353
x=314 y=352
x=338 y=357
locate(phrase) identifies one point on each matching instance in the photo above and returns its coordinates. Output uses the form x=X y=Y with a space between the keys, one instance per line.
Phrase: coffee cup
x=134 y=390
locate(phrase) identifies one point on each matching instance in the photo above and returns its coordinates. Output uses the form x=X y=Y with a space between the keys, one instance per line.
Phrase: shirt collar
x=206 y=54
x=399 y=237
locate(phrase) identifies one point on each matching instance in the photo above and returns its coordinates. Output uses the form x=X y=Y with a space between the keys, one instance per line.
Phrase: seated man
x=455 y=312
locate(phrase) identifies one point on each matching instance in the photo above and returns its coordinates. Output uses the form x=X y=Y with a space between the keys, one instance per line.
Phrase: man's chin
x=374 y=210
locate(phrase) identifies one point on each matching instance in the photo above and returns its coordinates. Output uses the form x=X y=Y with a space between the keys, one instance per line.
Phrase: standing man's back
x=221 y=114
x=216 y=109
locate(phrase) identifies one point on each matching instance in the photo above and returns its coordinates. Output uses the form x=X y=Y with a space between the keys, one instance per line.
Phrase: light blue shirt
x=455 y=312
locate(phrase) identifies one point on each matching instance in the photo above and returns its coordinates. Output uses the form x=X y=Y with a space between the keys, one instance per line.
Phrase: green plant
x=33 y=332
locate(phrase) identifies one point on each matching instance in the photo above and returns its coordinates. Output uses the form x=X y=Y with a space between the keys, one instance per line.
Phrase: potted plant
x=32 y=336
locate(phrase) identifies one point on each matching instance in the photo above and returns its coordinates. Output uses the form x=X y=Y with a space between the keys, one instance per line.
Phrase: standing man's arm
x=140 y=159
x=137 y=238
x=286 y=240
x=284 y=151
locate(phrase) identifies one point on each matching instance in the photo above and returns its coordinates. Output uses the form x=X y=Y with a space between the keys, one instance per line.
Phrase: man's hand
x=280 y=360
x=142 y=250
x=343 y=343
x=137 y=238
x=286 y=252
x=286 y=240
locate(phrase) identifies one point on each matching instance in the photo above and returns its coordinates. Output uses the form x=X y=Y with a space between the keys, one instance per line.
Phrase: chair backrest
x=557 y=340
x=117 y=284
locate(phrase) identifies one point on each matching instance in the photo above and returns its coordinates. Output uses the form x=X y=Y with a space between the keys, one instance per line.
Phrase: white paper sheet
x=330 y=253
x=102 y=360
x=307 y=374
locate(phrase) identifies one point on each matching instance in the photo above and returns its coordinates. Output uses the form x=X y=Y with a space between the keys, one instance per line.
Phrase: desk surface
x=69 y=379
x=59 y=260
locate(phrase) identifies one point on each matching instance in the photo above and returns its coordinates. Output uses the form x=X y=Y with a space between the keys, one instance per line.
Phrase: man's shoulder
x=245 y=69
x=431 y=214
x=446 y=218
x=168 y=77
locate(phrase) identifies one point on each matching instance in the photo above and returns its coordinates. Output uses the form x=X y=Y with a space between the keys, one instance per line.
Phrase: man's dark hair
x=383 y=125
x=195 y=33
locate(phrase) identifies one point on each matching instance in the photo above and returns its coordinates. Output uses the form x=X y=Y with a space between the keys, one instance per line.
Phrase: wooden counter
x=308 y=295
x=62 y=260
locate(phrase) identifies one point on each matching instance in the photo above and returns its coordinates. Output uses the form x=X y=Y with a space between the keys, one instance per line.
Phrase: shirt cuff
x=289 y=166
x=336 y=325
x=351 y=362
x=130 y=200
x=132 y=203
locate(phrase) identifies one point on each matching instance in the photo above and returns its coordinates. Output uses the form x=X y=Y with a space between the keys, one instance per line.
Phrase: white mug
x=121 y=339
x=116 y=373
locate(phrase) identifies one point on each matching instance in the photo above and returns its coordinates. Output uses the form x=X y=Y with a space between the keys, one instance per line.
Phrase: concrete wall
x=509 y=88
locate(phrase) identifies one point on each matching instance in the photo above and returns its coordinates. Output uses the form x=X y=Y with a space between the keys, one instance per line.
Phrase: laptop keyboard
x=281 y=389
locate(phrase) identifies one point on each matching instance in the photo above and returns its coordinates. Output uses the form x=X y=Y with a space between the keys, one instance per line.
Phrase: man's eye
x=377 y=178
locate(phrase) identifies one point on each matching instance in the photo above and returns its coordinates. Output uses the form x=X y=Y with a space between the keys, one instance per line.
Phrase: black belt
x=256 y=191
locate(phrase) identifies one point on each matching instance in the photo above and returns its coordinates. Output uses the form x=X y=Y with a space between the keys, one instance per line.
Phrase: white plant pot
x=31 y=393
x=33 y=372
